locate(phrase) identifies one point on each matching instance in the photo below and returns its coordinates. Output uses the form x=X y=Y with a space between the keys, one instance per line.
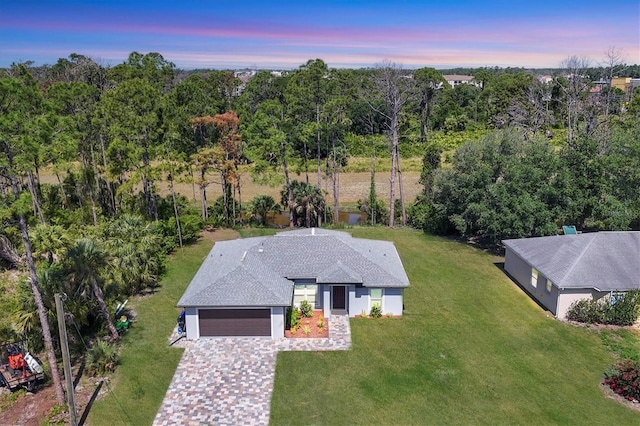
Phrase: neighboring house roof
x=260 y=271
x=457 y=77
x=605 y=261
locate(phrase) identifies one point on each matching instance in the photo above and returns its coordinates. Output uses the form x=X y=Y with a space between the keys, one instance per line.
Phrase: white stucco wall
x=191 y=322
x=277 y=322
x=358 y=300
x=326 y=295
x=568 y=296
x=392 y=301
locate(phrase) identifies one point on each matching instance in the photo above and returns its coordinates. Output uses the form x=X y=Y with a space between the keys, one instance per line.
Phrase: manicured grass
x=147 y=362
x=471 y=348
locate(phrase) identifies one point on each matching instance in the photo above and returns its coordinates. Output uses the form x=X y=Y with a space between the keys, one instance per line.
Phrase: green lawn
x=470 y=349
x=147 y=362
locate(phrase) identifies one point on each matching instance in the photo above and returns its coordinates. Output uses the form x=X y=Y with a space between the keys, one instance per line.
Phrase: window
x=376 y=296
x=615 y=297
x=534 y=277
x=549 y=284
x=308 y=292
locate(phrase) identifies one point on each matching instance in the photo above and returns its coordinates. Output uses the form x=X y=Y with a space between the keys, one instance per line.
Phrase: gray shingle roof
x=260 y=271
x=606 y=261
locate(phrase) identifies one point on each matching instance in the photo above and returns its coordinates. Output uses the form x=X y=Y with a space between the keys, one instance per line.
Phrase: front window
x=308 y=292
x=376 y=296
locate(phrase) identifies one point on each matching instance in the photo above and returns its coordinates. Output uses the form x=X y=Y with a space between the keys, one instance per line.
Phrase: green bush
x=376 y=311
x=622 y=311
x=624 y=379
x=625 y=310
x=306 y=309
x=293 y=318
x=586 y=311
x=102 y=358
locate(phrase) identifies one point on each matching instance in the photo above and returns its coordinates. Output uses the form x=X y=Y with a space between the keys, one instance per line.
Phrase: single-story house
x=244 y=286
x=561 y=269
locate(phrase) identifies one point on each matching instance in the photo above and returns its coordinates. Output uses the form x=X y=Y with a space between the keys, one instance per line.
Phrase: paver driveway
x=229 y=381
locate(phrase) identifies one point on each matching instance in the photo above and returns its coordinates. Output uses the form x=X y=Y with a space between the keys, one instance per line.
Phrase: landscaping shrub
x=586 y=311
x=376 y=311
x=620 y=311
x=293 y=318
x=306 y=309
x=101 y=358
x=625 y=310
x=623 y=378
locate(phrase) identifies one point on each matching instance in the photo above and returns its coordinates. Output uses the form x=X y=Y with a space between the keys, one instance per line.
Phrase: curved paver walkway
x=229 y=381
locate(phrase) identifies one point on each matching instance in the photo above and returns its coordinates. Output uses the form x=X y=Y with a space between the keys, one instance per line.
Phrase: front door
x=338 y=301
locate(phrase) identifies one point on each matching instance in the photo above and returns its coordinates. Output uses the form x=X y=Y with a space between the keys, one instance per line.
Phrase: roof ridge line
x=580 y=256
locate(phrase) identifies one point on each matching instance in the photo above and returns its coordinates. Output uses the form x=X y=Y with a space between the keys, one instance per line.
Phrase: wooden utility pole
x=66 y=360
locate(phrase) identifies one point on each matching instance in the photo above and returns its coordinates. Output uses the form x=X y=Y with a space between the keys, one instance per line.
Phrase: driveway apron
x=229 y=381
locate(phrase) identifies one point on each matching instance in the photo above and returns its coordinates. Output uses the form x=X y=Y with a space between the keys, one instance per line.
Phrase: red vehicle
x=19 y=368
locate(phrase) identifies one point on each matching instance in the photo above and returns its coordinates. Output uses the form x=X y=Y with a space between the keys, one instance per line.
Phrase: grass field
x=354 y=184
x=472 y=348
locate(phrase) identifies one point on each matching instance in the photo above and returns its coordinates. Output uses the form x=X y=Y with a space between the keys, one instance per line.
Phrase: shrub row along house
x=244 y=286
x=561 y=269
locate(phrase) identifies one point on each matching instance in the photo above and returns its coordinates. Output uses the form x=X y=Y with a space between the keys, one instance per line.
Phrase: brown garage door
x=235 y=322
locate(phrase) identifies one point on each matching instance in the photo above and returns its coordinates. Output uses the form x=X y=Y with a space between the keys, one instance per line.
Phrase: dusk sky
x=285 y=34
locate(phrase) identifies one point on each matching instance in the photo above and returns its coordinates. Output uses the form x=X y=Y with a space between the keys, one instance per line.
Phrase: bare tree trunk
x=318 y=144
x=203 y=202
x=395 y=89
x=90 y=190
x=37 y=209
x=112 y=197
x=576 y=86
x=225 y=200
x=240 y=202
x=404 y=210
x=97 y=292
x=147 y=186
x=62 y=191
x=287 y=183
x=8 y=252
x=175 y=208
x=614 y=60
x=37 y=297
x=203 y=195
x=336 y=188
x=392 y=187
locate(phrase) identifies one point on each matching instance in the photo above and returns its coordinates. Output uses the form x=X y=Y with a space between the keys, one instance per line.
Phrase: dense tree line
x=506 y=156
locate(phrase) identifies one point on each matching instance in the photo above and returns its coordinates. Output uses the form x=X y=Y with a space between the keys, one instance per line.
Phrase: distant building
x=456 y=80
x=545 y=79
x=621 y=83
x=244 y=76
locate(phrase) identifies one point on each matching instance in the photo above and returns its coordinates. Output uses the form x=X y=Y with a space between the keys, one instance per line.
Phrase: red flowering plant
x=623 y=378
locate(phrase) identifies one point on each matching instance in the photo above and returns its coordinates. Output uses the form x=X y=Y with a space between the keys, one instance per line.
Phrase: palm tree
x=87 y=259
x=308 y=204
x=49 y=242
x=136 y=253
x=261 y=206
